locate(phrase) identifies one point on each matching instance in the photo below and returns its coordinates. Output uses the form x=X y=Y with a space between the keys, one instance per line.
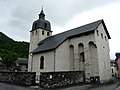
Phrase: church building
x=85 y=48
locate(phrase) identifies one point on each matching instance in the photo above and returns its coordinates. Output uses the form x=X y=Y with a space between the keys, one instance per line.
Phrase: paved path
x=115 y=86
x=4 y=86
x=106 y=87
x=92 y=87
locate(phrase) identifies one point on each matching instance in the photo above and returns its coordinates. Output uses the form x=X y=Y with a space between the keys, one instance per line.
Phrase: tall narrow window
x=81 y=51
x=101 y=35
x=105 y=38
x=33 y=33
x=112 y=70
x=82 y=58
x=42 y=32
x=97 y=33
x=42 y=62
x=36 y=32
x=47 y=33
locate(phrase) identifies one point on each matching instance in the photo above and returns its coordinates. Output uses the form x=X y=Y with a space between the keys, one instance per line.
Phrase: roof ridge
x=79 y=27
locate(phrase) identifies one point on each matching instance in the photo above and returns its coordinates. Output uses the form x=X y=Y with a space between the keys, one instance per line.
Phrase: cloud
x=17 y=20
x=61 y=11
x=17 y=16
x=110 y=15
x=21 y=13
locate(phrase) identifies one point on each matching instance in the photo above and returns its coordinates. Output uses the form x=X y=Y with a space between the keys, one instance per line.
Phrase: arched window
x=93 y=57
x=71 y=57
x=82 y=57
x=101 y=35
x=97 y=33
x=33 y=33
x=42 y=32
x=81 y=51
x=105 y=38
x=42 y=62
x=36 y=32
x=47 y=33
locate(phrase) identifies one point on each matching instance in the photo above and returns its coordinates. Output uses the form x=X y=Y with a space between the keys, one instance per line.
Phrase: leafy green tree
x=11 y=50
x=9 y=60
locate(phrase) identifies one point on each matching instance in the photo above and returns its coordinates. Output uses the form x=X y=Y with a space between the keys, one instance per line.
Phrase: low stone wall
x=18 y=78
x=59 y=79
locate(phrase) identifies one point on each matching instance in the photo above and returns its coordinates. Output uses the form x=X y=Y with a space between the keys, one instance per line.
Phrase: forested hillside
x=9 y=46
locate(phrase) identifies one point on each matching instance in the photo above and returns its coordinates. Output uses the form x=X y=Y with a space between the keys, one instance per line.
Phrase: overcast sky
x=17 y=16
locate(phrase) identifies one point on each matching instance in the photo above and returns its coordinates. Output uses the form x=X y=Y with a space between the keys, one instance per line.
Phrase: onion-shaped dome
x=41 y=23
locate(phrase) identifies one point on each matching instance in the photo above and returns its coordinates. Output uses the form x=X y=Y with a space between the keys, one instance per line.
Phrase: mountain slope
x=9 y=45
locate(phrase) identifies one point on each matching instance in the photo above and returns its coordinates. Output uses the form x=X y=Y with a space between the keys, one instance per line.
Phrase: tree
x=9 y=60
x=7 y=44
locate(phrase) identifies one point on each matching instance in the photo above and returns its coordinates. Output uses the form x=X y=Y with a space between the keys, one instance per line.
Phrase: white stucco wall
x=100 y=66
x=48 y=62
x=103 y=54
x=35 y=37
x=62 y=55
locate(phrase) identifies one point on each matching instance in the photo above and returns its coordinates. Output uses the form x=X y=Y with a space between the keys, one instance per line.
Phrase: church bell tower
x=41 y=29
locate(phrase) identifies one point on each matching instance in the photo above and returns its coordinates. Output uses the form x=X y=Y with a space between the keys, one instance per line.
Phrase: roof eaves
x=40 y=28
x=43 y=51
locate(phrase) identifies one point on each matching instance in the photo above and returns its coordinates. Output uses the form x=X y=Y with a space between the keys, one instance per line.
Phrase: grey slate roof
x=22 y=61
x=40 y=23
x=54 y=41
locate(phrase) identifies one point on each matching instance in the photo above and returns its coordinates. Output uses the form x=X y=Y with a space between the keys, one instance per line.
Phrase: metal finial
x=42 y=7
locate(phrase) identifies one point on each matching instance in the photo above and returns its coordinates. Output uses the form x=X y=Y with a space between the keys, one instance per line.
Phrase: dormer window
x=35 y=25
x=45 y=25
